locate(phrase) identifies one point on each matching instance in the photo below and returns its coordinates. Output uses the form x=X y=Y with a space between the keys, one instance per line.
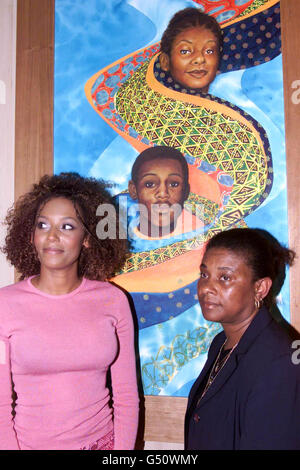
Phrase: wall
x=8 y=10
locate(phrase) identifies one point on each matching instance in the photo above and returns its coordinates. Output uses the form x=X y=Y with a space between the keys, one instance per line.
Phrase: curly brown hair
x=97 y=262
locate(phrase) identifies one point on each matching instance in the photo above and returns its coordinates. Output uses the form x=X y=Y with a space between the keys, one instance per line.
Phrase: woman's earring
x=258 y=303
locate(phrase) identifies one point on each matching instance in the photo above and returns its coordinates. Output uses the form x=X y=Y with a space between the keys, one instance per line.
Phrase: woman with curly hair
x=64 y=330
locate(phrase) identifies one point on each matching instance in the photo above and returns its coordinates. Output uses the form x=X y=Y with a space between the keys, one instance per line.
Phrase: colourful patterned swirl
x=226 y=10
x=168 y=360
x=121 y=94
x=206 y=129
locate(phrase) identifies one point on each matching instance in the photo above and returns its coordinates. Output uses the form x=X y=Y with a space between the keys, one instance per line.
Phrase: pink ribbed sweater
x=58 y=349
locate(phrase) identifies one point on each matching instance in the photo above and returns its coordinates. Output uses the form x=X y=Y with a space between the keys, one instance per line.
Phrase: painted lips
x=160 y=208
x=197 y=73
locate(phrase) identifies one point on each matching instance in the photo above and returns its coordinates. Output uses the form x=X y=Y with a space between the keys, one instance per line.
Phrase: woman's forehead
x=58 y=205
x=221 y=255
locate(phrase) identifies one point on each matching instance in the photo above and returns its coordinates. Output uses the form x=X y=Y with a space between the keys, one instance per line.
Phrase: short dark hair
x=97 y=262
x=262 y=253
x=189 y=18
x=160 y=152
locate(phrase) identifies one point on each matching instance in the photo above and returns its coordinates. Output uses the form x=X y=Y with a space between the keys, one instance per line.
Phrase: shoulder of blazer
x=264 y=331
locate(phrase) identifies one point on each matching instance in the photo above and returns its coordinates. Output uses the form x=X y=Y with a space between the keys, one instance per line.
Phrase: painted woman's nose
x=198 y=57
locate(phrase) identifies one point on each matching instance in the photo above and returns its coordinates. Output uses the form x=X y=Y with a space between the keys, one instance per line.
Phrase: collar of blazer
x=260 y=321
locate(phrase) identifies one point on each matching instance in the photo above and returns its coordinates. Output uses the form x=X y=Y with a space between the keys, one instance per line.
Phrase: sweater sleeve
x=273 y=408
x=8 y=439
x=124 y=381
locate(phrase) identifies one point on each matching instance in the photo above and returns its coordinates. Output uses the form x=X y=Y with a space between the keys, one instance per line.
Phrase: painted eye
x=225 y=277
x=149 y=184
x=174 y=184
x=203 y=275
x=210 y=51
x=184 y=51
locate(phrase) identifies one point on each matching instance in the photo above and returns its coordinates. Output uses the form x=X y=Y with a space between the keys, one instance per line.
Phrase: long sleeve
x=58 y=350
x=124 y=382
x=8 y=439
x=273 y=409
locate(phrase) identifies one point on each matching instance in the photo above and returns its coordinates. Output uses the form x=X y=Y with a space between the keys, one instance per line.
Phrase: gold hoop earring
x=258 y=303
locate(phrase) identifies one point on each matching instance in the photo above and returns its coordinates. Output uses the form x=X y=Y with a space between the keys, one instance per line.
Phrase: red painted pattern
x=227 y=5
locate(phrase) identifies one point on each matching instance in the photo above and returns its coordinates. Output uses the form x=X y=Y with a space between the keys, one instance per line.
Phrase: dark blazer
x=254 y=402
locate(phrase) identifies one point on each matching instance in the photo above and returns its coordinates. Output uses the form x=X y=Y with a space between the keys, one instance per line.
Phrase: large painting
x=114 y=99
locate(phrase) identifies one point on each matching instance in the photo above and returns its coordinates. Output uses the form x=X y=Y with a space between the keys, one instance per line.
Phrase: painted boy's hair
x=159 y=152
x=189 y=18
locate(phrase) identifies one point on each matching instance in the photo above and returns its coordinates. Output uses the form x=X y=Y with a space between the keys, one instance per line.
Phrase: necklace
x=216 y=368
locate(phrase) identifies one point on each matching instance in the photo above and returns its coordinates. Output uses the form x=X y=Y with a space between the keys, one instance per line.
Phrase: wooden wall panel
x=34 y=152
x=164 y=418
x=34 y=92
x=290 y=14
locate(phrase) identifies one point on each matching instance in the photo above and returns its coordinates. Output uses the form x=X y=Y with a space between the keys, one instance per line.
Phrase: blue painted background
x=91 y=34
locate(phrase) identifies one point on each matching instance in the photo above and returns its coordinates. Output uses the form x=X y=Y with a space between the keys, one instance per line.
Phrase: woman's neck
x=56 y=283
x=234 y=331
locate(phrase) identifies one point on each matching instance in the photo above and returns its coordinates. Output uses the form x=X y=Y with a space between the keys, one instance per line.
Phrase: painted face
x=161 y=184
x=59 y=235
x=226 y=289
x=194 y=58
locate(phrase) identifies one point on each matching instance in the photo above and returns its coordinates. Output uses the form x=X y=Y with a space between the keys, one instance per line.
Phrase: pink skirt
x=105 y=443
